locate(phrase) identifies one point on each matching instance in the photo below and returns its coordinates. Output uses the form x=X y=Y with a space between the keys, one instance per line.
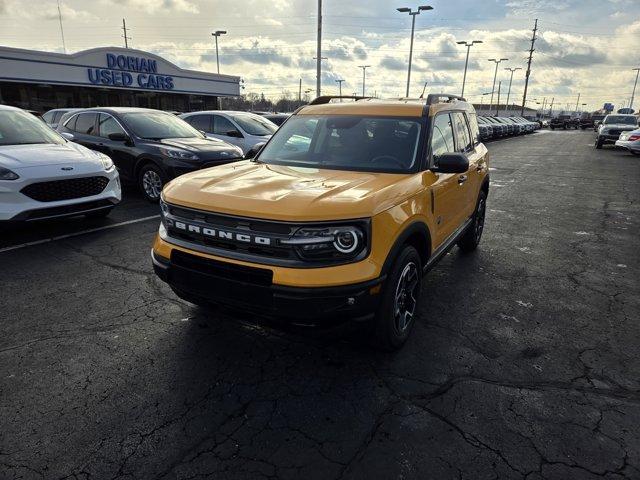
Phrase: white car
x=630 y=141
x=43 y=175
x=243 y=129
x=53 y=117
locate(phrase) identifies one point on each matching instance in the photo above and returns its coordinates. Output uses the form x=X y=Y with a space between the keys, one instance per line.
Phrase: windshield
x=375 y=144
x=159 y=125
x=20 y=128
x=254 y=124
x=621 y=119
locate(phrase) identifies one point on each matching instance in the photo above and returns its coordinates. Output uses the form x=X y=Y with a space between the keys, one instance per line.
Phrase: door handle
x=462 y=179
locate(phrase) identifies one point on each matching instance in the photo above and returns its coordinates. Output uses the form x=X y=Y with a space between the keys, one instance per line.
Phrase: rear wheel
x=150 y=181
x=471 y=238
x=398 y=308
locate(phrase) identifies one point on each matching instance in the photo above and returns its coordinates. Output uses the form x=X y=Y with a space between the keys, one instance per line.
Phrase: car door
x=449 y=191
x=468 y=142
x=121 y=151
x=225 y=130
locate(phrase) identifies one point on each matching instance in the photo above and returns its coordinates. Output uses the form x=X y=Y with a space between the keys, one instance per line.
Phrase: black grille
x=65 y=189
x=221 y=270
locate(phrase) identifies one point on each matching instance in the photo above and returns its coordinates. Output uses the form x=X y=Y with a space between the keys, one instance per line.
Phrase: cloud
x=68 y=13
x=153 y=6
x=393 y=63
x=3 y=6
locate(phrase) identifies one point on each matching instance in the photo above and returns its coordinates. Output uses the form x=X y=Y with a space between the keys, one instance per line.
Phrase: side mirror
x=68 y=136
x=234 y=134
x=118 y=137
x=254 y=151
x=451 y=163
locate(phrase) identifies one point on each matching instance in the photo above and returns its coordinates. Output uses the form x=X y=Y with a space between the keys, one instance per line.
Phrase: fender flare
x=416 y=227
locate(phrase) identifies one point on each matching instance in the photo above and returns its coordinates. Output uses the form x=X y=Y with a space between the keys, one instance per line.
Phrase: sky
x=585 y=47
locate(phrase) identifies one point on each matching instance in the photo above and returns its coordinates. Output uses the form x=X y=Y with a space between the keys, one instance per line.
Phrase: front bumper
x=252 y=289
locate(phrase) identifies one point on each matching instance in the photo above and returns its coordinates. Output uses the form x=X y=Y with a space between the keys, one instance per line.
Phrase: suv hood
x=196 y=144
x=276 y=192
x=42 y=154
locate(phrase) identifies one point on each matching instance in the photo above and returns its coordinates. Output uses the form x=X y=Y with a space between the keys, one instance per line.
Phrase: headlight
x=6 y=174
x=177 y=153
x=107 y=163
x=330 y=243
x=164 y=208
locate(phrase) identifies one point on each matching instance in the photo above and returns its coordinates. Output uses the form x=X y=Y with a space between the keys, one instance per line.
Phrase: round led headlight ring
x=346 y=241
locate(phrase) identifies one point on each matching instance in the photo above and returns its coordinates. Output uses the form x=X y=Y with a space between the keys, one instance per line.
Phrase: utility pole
x=526 y=78
x=300 y=91
x=551 y=108
x=64 y=46
x=577 y=102
x=216 y=34
x=319 y=50
x=466 y=62
x=510 y=81
x=413 y=14
x=339 y=82
x=364 y=77
x=498 y=104
x=124 y=29
x=495 y=75
x=634 y=87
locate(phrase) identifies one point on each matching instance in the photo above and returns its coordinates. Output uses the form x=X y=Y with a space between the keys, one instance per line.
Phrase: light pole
x=216 y=34
x=364 y=76
x=339 y=82
x=482 y=99
x=466 y=62
x=413 y=27
x=495 y=75
x=510 y=81
x=634 y=87
x=577 y=102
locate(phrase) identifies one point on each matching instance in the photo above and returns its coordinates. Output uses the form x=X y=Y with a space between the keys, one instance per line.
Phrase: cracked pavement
x=523 y=364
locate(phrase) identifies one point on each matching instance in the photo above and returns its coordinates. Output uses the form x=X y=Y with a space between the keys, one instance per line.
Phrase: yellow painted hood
x=275 y=192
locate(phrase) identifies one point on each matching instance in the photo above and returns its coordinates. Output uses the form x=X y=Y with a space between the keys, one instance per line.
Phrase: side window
x=463 y=138
x=475 y=129
x=200 y=122
x=71 y=123
x=86 y=123
x=222 y=125
x=57 y=116
x=48 y=117
x=108 y=125
x=442 y=135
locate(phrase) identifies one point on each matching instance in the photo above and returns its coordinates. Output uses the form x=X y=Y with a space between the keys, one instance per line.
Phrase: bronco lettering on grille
x=223 y=234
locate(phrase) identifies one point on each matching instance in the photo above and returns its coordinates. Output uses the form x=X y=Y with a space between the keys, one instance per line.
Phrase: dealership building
x=111 y=76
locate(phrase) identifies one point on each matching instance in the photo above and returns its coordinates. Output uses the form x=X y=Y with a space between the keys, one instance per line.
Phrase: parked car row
x=499 y=127
x=621 y=130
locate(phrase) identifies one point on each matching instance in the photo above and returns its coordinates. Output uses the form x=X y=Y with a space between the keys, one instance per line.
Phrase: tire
x=399 y=304
x=599 y=143
x=552 y=128
x=635 y=152
x=150 y=182
x=471 y=238
x=100 y=213
x=194 y=299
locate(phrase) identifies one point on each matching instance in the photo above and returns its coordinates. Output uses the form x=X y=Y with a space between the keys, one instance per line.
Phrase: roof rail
x=435 y=98
x=324 y=99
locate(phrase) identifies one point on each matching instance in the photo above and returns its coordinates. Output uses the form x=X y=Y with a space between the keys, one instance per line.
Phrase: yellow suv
x=336 y=218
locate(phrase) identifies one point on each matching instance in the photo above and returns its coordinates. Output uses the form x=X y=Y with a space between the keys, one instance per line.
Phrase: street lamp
x=216 y=34
x=510 y=80
x=482 y=99
x=634 y=86
x=495 y=75
x=466 y=62
x=413 y=14
x=364 y=76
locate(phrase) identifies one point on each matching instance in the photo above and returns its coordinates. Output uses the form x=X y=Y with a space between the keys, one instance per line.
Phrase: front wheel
x=399 y=303
x=471 y=238
x=599 y=143
x=150 y=181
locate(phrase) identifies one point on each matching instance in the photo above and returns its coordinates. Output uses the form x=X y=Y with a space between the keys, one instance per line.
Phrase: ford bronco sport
x=336 y=218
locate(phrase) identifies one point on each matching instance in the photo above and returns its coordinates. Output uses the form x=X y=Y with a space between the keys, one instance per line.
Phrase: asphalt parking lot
x=524 y=362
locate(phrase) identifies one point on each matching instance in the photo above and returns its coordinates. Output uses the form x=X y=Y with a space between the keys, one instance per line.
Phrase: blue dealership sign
x=124 y=70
